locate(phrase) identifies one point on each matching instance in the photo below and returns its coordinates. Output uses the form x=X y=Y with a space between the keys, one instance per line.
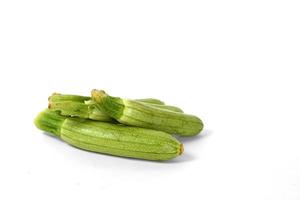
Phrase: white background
x=235 y=64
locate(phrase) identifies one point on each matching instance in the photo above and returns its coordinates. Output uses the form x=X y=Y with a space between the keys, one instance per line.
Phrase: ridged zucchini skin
x=135 y=113
x=107 y=138
x=82 y=106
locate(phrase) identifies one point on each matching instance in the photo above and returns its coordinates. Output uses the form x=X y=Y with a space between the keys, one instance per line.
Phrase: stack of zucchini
x=139 y=128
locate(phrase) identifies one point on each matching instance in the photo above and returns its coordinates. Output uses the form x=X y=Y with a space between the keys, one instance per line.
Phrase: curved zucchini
x=135 y=113
x=107 y=138
x=83 y=107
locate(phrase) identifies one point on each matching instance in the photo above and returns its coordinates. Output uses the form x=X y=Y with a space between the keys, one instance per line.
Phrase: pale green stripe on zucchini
x=165 y=107
x=135 y=113
x=113 y=139
x=151 y=100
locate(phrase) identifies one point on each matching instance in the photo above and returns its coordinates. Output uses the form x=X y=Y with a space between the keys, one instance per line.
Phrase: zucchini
x=83 y=107
x=107 y=138
x=131 y=112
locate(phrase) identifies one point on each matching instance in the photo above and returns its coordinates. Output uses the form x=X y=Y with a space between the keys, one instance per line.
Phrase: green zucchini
x=107 y=138
x=131 y=112
x=83 y=107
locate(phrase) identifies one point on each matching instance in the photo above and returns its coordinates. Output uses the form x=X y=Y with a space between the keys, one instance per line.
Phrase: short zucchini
x=107 y=138
x=135 y=113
